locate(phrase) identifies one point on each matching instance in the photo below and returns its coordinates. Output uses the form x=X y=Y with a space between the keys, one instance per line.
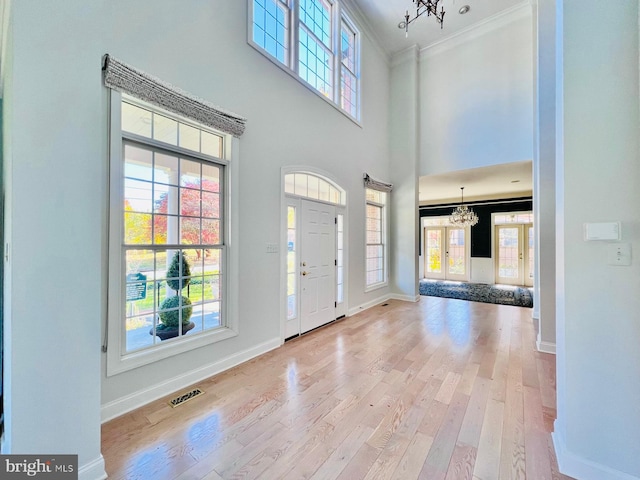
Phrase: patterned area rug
x=478 y=292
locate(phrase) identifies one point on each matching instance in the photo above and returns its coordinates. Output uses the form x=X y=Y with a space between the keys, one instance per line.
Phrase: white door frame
x=289 y=199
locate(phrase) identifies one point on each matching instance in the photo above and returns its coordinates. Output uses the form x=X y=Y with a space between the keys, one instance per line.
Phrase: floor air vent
x=385 y=304
x=185 y=397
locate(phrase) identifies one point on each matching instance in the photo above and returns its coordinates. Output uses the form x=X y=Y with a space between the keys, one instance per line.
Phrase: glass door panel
x=434 y=252
x=515 y=254
x=508 y=268
x=457 y=254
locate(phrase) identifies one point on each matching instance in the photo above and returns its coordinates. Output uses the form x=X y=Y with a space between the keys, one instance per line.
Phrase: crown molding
x=356 y=13
x=409 y=54
x=490 y=24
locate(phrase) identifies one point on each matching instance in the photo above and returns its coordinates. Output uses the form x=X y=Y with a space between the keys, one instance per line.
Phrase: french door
x=446 y=252
x=514 y=254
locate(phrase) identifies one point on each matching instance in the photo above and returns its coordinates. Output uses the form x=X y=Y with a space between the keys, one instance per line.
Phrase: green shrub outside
x=174 y=271
x=171 y=318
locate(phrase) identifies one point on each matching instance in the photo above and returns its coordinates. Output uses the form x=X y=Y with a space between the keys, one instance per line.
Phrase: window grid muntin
x=457 y=251
x=156 y=282
x=316 y=71
x=180 y=188
x=348 y=39
x=263 y=16
x=349 y=88
x=315 y=45
x=350 y=105
x=436 y=221
x=348 y=92
x=511 y=218
x=434 y=250
x=322 y=12
x=508 y=255
x=155 y=146
x=298 y=184
x=206 y=135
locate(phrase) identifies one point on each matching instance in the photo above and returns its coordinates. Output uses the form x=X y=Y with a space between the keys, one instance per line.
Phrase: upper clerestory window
x=315 y=41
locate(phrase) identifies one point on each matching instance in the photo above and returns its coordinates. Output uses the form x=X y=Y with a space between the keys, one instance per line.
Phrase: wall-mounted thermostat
x=602 y=231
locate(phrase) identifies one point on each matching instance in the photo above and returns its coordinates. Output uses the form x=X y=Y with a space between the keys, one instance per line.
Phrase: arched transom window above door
x=309 y=185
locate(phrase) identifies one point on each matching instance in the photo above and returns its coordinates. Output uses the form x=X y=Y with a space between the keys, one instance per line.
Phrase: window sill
x=133 y=360
x=375 y=286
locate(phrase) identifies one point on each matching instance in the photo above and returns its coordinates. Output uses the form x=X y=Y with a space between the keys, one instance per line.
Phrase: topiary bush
x=170 y=307
x=174 y=271
x=171 y=318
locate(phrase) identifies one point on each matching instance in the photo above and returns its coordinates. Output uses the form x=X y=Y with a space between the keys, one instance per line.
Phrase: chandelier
x=430 y=7
x=462 y=216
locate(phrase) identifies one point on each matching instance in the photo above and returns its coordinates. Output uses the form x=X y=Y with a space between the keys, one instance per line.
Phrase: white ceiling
x=384 y=16
x=509 y=180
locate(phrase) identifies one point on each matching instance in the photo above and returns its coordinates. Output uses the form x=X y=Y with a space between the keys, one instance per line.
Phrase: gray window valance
x=377 y=184
x=126 y=79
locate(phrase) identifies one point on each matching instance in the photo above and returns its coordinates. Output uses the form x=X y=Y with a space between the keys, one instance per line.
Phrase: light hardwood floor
x=439 y=389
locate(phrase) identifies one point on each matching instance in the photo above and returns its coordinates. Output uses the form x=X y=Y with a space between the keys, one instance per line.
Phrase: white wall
x=596 y=432
x=54 y=183
x=544 y=176
x=476 y=97
x=483 y=270
x=403 y=132
x=59 y=131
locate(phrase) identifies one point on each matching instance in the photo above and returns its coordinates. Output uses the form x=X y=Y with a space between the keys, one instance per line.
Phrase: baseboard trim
x=546 y=347
x=578 y=467
x=93 y=470
x=369 y=304
x=137 y=399
x=405 y=298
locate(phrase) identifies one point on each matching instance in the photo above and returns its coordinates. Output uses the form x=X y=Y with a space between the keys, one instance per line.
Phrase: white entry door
x=317 y=265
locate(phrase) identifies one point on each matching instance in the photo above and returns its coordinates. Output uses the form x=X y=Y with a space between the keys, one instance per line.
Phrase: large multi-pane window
x=376 y=235
x=170 y=182
x=314 y=40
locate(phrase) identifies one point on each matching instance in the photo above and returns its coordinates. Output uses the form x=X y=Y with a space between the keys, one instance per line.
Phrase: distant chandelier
x=462 y=216
x=430 y=7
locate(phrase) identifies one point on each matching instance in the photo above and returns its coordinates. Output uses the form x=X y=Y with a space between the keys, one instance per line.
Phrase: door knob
x=304 y=274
